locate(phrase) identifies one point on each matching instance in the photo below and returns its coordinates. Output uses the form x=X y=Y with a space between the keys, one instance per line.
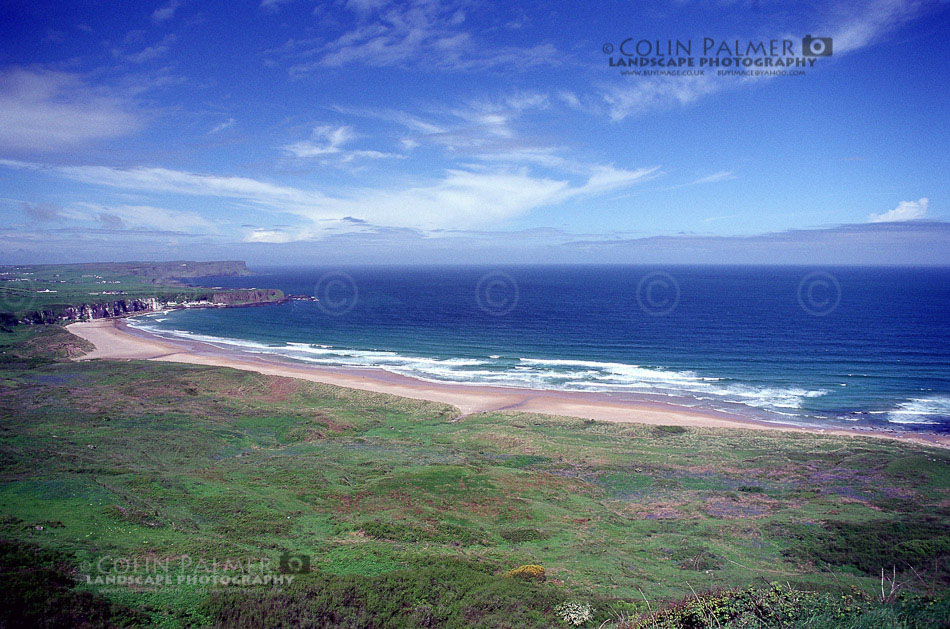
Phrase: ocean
x=831 y=346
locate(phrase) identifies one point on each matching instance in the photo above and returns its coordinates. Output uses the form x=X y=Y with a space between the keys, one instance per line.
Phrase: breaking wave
x=530 y=372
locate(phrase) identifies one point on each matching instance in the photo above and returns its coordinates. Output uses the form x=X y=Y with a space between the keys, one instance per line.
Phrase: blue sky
x=289 y=131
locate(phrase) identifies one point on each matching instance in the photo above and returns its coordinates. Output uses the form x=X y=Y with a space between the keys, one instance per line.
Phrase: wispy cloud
x=221 y=126
x=852 y=30
x=43 y=212
x=460 y=199
x=272 y=5
x=852 y=26
x=149 y=53
x=418 y=33
x=476 y=127
x=714 y=219
x=147 y=217
x=397 y=116
x=722 y=175
x=328 y=141
x=905 y=211
x=44 y=111
x=638 y=97
x=166 y=11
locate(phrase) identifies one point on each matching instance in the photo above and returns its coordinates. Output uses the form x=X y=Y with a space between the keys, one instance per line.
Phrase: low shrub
x=394 y=532
x=439 y=592
x=443 y=533
x=574 y=613
x=664 y=431
x=529 y=571
x=520 y=461
x=519 y=536
x=751 y=489
x=783 y=606
x=39 y=591
x=918 y=542
x=775 y=606
x=696 y=558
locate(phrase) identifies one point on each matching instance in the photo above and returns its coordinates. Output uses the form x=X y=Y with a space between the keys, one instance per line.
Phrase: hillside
x=390 y=512
x=51 y=293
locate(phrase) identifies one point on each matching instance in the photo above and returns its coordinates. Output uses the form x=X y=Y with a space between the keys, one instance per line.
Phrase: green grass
x=52 y=287
x=410 y=515
x=41 y=293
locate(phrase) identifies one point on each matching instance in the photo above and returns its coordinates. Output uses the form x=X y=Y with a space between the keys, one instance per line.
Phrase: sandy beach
x=115 y=340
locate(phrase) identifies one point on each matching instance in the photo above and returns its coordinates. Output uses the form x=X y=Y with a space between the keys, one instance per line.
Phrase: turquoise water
x=827 y=346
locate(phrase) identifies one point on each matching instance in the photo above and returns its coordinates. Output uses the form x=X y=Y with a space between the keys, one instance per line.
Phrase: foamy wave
x=537 y=373
x=623 y=370
x=926 y=410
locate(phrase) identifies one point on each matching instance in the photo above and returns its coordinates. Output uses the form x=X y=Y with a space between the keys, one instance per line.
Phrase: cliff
x=70 y=292
x=124 y=307
x=104 y=310
x=248 y=296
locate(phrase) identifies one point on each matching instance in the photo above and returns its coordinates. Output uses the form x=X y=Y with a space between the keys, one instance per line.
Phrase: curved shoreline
x=115 y=340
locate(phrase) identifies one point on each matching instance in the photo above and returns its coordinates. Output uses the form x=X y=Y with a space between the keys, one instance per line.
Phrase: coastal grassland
x=411 y=515
x=48 y=293
x=54 y=287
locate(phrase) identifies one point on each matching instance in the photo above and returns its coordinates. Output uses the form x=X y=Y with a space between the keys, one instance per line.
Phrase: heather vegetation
x=389 y=512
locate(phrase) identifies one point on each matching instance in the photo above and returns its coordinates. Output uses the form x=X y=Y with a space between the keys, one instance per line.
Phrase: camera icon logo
x=816 y=46
x=294 y=564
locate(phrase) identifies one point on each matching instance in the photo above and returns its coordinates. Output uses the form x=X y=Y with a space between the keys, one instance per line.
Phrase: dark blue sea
x=831 y=346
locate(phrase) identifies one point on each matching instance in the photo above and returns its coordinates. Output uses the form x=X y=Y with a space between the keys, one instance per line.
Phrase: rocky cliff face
x=244 y=297
x=105 y=310
x=123 y=307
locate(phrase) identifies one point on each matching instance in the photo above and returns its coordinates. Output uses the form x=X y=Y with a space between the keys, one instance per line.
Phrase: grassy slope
x=23 y=289
x=156 y=460
x=74 y=285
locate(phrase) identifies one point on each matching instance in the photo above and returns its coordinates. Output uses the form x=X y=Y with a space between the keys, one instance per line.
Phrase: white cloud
x=853 y=26
x=412 y=34
x=545 y=156
x=151 y=52
x=863 y=27
x=607 y=178
x=147 y=217
x=333 y=139
x=227 y=124
x=570 y=98
x=396 y=116
x=272 y=5
x=722 y=175
x=165 y=180
x=460 y=199
x=475 y=127
x=905 y=211
x=365 y=6
x=166 y=11
x=329 y=141
x=260 y=234
x=44 y=111
x=643 y=95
